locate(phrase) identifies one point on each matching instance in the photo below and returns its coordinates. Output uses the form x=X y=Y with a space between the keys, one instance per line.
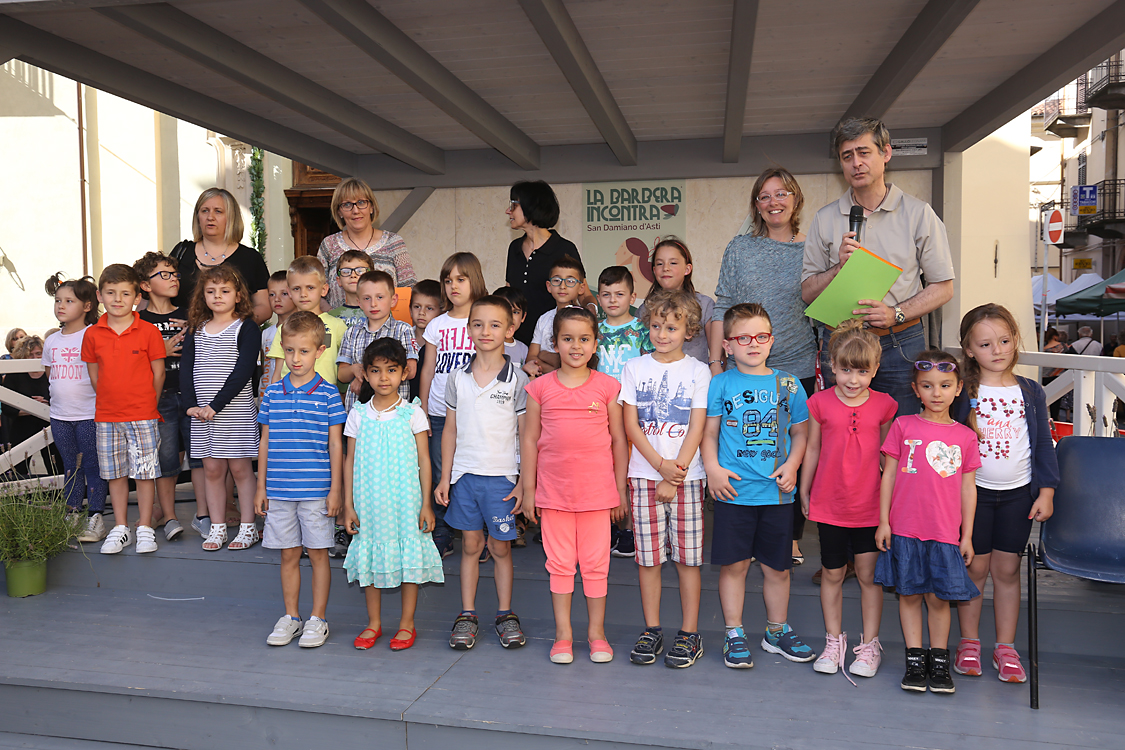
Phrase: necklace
x=348 y=234
x=886 y=192
x=215 y=261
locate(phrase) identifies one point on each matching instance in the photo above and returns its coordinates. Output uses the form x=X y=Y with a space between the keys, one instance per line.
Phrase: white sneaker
x=315 y=633
x=95 y=529
x=832 y=658
x=146 y=539
x=118 y=539
x=284 y=631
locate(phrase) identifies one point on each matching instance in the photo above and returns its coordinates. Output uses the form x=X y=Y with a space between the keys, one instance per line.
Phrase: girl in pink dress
x=574 y=462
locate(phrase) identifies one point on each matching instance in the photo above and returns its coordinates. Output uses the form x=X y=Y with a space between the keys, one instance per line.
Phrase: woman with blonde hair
x=217 y=229
x=357 y=214
x=764 y=266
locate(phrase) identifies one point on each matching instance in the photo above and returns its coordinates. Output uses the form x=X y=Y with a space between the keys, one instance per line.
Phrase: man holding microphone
x=898 y=228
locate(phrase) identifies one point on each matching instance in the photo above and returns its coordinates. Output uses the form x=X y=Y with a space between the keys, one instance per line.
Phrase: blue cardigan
x=1044 y=464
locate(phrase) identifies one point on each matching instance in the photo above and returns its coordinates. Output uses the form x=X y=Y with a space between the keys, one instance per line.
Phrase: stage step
x=10 y=741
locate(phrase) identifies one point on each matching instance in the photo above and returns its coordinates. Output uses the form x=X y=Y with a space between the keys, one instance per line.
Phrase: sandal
x=365 y=643
x=216 y=539
x=247 y=537
x=401 y=644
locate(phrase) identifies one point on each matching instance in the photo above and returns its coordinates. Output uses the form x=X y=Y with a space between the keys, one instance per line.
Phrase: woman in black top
x=217 y=227
x=533 y=209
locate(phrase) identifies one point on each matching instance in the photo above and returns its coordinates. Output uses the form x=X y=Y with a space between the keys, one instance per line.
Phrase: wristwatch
x=900 y=316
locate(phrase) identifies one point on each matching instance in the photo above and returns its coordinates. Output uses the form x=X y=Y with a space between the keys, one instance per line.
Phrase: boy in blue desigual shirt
x=757 y=426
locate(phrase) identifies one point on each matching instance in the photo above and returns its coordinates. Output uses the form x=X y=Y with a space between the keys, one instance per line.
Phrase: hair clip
x=973 y=403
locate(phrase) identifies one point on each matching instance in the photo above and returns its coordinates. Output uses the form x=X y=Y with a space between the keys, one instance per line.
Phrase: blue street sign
x=1087 y=199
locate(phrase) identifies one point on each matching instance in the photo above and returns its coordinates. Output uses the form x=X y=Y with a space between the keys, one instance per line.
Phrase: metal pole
x=1046 y=262
x=1032 y=627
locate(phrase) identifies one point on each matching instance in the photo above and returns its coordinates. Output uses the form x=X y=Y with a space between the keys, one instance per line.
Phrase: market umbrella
x=1093 y=300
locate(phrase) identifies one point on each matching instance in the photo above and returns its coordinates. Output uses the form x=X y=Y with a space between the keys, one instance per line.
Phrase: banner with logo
x=624 y=221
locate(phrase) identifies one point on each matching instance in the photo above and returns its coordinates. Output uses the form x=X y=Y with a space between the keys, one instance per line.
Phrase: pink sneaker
x=867 y=657
x=1007 y=661
x=967 y=661
x=832 y=658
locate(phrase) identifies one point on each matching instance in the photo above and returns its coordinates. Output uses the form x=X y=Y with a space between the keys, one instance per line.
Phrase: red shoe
x=401 y=644
x=365 y=643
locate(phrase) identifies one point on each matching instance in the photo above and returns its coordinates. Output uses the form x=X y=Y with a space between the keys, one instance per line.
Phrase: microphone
x=855 y=223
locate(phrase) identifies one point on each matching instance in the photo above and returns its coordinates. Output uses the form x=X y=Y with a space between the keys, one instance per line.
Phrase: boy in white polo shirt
x=486 y=402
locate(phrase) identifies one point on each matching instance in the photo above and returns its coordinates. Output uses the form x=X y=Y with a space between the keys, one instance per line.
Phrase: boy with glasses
x=566 y=284
x=352 y=265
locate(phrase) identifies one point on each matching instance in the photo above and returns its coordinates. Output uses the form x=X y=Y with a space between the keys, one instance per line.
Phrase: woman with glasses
x=217 y=229
x=764 y=266
x=533 y=209
x=357 y=213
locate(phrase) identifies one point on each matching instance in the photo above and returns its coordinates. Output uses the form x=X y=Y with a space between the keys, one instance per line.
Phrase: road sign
x=1053 y=227
x=1074 y=200
x=1083 y=264
x=1087 y=199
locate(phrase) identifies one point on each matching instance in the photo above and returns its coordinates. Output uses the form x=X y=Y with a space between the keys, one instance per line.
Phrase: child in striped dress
x=218 y=359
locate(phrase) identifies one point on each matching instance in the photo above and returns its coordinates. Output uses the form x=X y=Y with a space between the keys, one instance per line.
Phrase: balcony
x=1108 y=222
x=1106 y=88
x=1067 y=114
x=1076 y=234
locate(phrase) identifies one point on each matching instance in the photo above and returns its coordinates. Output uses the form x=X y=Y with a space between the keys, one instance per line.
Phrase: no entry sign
x=1053 y=227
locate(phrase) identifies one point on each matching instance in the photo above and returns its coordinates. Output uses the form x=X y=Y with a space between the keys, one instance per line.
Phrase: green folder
x=864 y=276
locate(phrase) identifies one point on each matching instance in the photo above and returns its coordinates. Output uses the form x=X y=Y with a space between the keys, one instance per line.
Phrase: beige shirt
x=903 y=230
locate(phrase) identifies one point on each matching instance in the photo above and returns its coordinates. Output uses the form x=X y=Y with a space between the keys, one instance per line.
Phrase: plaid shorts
x=128 y=449
x=663 y=528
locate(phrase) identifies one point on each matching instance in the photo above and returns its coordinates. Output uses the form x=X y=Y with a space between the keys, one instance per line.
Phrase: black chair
x=1085 y=537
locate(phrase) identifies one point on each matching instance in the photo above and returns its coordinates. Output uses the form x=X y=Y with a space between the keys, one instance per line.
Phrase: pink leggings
x=577 y=539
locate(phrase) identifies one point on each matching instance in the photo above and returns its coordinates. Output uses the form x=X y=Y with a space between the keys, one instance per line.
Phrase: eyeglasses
x=361 y=205
x=166 y=275
x=926 y=365
x=345 y=272
x=779 y=195
x=513 y=205
x=761 y=338
x=570 y=281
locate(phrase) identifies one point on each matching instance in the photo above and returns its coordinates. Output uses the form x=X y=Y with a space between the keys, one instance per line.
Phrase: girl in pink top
x=574 y=462
x=840 y=491
x=927 y=504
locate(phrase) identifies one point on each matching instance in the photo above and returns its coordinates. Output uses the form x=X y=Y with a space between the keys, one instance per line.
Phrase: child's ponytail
x=854 y=347
x=85 y=290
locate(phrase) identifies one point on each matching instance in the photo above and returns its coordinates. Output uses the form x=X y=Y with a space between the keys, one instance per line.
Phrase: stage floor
x=168 y=650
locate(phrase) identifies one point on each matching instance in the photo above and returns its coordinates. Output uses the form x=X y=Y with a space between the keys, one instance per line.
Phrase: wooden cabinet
x=310 y=212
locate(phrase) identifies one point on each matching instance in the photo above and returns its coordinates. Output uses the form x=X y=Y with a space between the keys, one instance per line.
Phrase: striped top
x=217 y=370
x=298 y=466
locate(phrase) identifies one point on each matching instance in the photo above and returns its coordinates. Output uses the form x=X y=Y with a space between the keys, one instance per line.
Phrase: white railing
x=36 y=442
x=1095 y=381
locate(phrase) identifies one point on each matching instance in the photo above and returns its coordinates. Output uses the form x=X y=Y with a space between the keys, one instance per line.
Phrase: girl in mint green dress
x=387 y=494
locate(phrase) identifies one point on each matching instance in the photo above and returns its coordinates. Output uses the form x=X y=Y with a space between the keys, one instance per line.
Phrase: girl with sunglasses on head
x=1015 y=485
x=927 y=504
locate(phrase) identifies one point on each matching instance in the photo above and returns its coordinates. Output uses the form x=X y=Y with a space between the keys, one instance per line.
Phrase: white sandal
x=217 y=538
x=247 y=537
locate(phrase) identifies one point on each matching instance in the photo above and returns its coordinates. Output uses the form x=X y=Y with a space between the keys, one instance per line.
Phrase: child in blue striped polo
x=299 y=475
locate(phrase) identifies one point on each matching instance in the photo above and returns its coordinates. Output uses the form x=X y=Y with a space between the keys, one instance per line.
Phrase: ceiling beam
x=742 y=28
x=930 y=30
x=372 y=32
x=197 y=41
x=409 y=206
x=801 y=154
x=559 y=34
x=81 y=64
x=1090 y=44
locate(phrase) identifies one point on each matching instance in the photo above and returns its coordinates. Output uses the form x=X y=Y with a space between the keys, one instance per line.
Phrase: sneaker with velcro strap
x=509 y=631
x=284 y=631
x=686 y=648
x=648 y=647
x=464 y=635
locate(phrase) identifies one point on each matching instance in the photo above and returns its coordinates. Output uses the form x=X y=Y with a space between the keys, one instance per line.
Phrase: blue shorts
x=476 y=503
x=744 y=531
x=175 y=435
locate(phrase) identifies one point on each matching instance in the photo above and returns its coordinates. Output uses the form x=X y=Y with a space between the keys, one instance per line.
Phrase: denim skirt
x=913 y=566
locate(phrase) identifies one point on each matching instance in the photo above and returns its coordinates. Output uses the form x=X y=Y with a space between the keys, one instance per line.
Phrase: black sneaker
x=685 y=650
x=649 y=645
x=940 y=679
x=625 y=547
x=464 y=635
x=508 y=629
x=341 y=541
x=916 y=669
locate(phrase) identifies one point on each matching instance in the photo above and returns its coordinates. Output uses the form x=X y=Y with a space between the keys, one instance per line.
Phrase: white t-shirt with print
x=665 y=395
x=72 y=393
x=453 y=348
x=1005 y=448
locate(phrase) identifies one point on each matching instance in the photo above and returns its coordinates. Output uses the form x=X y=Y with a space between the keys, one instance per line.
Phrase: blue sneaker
x=736 y=650
x=786 y=643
